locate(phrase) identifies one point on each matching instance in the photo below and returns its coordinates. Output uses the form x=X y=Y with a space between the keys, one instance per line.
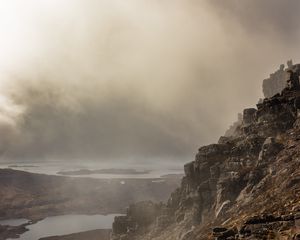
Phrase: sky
x=133 y=80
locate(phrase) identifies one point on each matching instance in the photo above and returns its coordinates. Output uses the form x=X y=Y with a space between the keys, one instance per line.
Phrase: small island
x=115 y=171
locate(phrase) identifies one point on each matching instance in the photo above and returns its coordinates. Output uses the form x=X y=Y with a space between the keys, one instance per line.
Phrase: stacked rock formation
x=275 y=83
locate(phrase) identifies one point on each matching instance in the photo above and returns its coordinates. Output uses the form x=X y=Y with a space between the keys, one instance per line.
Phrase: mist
x=133 y=80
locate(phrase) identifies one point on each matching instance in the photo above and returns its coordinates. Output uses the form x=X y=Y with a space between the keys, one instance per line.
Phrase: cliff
x=246 y=186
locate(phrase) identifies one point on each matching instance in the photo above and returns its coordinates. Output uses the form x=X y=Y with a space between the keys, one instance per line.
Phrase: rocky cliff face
x=246 y=186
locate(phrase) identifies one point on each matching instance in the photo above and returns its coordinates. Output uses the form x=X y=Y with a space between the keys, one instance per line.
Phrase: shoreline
x=36 y=196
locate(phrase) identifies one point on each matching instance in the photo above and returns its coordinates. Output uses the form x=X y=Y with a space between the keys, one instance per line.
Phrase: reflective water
x=67 y=224
x=52 y=168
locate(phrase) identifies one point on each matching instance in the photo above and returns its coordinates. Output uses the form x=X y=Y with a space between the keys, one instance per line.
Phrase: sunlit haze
x=133 y=80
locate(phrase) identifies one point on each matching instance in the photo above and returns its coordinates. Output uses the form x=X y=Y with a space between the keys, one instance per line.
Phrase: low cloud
x=135 y=80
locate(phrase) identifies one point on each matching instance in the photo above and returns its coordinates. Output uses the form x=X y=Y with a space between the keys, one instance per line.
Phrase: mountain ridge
x=246 y=186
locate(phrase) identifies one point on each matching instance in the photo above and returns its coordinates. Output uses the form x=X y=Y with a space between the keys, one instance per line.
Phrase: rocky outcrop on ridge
x=277 y=80
x=275 y=83
x=246 y=186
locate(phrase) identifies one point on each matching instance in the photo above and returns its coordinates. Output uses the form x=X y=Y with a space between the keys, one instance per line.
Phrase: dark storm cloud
x=263 y=16
x=115 y=128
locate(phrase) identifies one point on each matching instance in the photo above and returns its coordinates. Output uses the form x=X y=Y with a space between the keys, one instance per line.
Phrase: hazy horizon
x=134 y=80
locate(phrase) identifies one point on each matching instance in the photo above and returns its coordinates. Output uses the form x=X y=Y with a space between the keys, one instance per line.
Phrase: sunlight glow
x=19 y=28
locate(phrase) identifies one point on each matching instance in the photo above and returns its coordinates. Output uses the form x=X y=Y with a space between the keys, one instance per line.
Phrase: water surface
x=67 y=224
x=54 y=167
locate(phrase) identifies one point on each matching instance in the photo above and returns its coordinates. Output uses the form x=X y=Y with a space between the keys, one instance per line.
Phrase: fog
x=133 y=80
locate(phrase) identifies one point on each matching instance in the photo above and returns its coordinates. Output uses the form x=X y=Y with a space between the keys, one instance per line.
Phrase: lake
x=66 y=224
x=52 y=168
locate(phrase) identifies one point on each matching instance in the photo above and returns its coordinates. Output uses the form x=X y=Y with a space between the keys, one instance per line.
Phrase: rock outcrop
x=275 y=83
x=246 y=186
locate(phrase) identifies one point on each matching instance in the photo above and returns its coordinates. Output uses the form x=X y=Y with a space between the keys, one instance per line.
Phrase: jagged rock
x=249 y=115
x=139 y=216
x=233 y=129
x=269 y=150
x=275 y=83
x=122 y=225
x=224 y=140
x=175 y=197
x=267 y=226
x=189 y=170
x=293 y=73
x=208 y=156
x=228 y=190
x=249 y=147
x=213 y=152
x=144 y=213
x=282 y=78
x=262 y=219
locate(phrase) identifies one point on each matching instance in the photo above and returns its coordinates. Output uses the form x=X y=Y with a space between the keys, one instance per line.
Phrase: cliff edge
x=246 y=186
